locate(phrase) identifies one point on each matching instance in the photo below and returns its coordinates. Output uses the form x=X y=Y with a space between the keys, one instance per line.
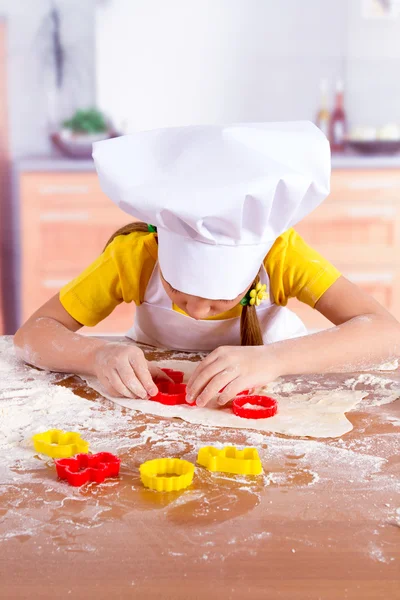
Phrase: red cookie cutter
x=176 y=376
x=170 y=393
x=88 y=467
x=270 y=407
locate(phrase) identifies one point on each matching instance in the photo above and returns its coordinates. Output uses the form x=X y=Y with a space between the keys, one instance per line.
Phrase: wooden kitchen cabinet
x=358 y=229
x=357 y=219
x=66 y=221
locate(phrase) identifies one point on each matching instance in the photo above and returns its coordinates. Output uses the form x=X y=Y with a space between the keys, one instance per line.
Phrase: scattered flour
x=250 y=406
x=283 y=387
x=388 y=366
x=31 y=402
x=377 y=554
x=381 y=390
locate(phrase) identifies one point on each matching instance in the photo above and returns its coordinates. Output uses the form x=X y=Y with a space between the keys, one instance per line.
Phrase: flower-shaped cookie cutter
x=85 y=468
x=170 y=393
x=180 y=474
x=264 y=407
x=230 y=460
x=59 y=444
x=176 y=376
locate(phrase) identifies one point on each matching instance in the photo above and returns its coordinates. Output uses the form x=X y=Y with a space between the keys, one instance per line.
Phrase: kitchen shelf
x=347 y=160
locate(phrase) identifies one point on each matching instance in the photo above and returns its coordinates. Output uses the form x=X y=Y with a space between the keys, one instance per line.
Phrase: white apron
x=157 y=324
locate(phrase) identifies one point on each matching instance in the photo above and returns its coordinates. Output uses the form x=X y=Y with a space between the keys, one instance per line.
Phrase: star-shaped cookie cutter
x=230 y=460
x=85 y=468
x=60 y=444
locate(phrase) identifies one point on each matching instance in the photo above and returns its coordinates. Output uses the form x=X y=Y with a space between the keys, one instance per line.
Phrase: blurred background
x=74 y=71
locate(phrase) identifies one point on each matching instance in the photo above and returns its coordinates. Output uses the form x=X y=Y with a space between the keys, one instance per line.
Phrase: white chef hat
x=219 y=195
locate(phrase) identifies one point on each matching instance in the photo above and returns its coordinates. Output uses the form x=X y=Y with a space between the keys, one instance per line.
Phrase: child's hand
x=232 y=369
x=123 y=371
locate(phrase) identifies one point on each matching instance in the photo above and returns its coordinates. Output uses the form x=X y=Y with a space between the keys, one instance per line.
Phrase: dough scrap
x=319 y=415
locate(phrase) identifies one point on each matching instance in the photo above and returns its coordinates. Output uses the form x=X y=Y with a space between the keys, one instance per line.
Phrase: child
x=212 y=266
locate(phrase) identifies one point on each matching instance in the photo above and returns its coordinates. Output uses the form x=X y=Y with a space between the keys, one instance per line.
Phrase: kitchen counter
x=322 y=522
x=339 y=161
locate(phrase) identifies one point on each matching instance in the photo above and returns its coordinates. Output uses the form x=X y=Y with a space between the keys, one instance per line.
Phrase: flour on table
x=34 y=505
x=379 y=389
x=320 y=414
x=388 y=366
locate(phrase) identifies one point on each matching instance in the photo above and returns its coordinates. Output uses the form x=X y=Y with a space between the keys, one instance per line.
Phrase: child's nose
x=198 y=309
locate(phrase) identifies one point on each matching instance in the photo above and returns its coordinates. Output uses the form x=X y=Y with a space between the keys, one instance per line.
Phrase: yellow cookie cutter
x=152 y=471
x=59 y=444
x=230 y=460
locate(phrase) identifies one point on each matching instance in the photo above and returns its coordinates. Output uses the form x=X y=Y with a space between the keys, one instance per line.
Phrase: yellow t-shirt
x=122 y=272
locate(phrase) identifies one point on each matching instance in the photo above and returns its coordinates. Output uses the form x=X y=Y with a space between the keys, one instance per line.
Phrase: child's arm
x=365 y=336
x=48 y=340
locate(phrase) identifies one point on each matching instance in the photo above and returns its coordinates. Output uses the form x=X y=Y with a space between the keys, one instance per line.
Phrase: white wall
x=29 y=70
x=30 y=67
x=194 y=61
x=170 y=62
x=372 y=68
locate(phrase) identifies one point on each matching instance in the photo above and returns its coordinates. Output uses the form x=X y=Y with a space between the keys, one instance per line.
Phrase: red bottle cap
x=269 y=407
x=88 y=467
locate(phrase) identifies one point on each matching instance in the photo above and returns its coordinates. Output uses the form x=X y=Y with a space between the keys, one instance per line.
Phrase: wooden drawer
x=53 y=190
x=360 y=185
x=383 y=284
x=71 y=246
x=360 y=221
x=66 y=237
x=65 y=223
x=354 y=232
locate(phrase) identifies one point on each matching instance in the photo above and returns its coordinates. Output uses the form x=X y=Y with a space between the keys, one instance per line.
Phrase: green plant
x=87 y=121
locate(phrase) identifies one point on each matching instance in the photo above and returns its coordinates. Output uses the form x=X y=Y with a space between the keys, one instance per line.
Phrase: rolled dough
x=320 y=414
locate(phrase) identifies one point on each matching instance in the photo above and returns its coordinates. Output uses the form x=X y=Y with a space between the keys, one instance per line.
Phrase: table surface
x=321 y=523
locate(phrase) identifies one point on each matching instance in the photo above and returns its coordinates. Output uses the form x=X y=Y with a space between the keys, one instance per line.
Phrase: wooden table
x=322 y=523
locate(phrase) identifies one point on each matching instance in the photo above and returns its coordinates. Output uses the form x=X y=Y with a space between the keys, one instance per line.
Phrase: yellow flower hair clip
x=255 y=296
